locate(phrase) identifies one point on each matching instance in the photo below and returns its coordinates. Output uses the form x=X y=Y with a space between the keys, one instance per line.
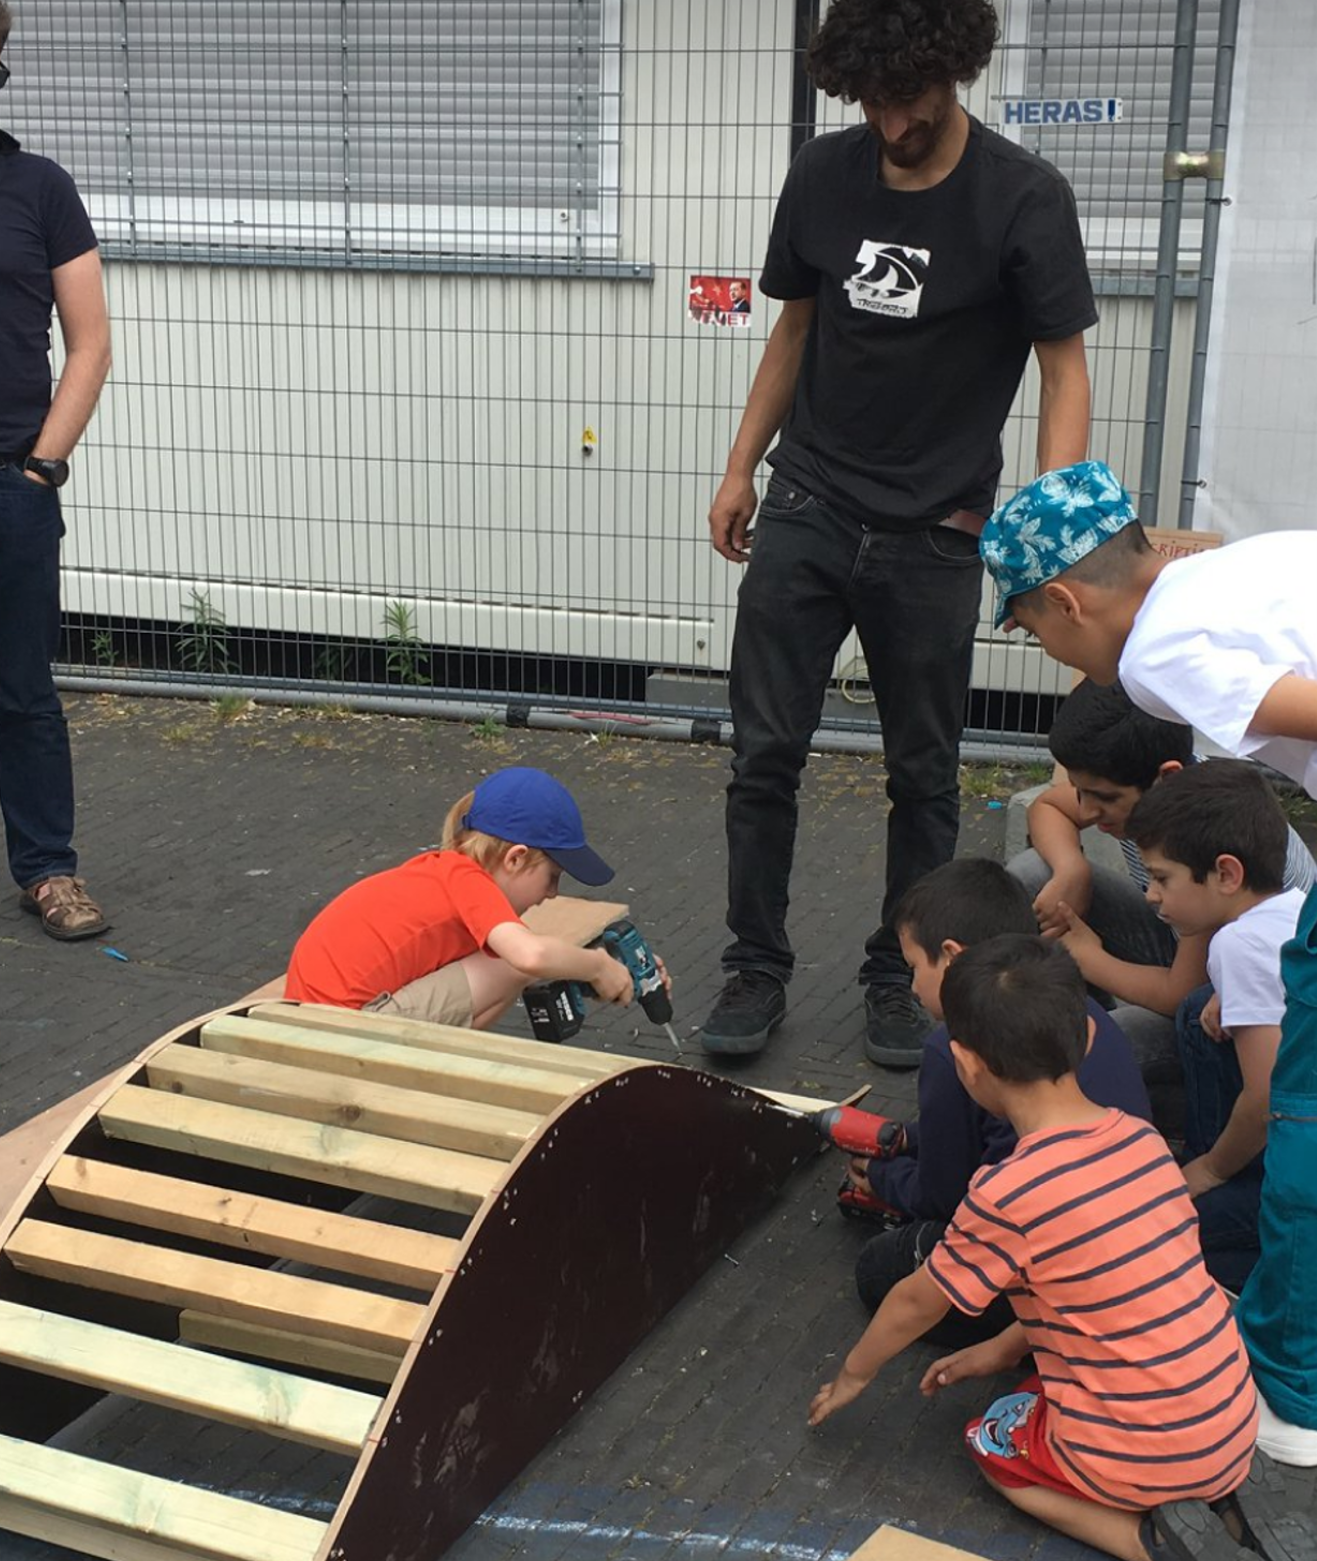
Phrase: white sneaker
x=1289 y=1444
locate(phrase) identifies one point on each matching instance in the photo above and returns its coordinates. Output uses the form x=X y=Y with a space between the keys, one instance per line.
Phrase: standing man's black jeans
x=914 y=599
x=36 y=770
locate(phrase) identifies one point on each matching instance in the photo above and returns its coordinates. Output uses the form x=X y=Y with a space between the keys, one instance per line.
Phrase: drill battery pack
x=556 y=1010
x=860 y=1204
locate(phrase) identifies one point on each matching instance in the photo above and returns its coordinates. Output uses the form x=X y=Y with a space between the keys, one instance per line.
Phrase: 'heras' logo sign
x=1063 y=111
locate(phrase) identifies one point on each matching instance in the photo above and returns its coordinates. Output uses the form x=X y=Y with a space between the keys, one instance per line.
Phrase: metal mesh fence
x=434 y=320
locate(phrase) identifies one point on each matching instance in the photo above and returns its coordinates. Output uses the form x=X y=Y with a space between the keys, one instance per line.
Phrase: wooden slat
x=385 y=1062
x=235 y=1219
x=213 y=1285
x=202 y=1523
x=573 y=1061
x=338 y=1156
x=293 y=1349
x=254 y=1397
x=413 y=1115
x=84 y=1538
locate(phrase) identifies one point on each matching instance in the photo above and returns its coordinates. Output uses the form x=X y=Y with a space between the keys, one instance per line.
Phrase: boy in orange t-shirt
x=441 y=937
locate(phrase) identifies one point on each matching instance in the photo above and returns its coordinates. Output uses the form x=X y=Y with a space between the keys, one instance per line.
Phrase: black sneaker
x=1264 y=1518
x=1188 y=1531
x=895 y=1024
x=749 y=1008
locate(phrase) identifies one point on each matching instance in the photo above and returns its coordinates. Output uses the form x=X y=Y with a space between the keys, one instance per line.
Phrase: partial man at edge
x=48 y=261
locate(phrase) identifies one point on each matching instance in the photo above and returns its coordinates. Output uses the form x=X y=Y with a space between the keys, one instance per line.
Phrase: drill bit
x=672 y=1036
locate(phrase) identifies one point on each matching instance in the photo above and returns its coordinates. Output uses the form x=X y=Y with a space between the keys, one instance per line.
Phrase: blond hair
x=488 y=851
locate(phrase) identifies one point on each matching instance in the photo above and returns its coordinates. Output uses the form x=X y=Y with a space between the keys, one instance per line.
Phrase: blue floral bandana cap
x=1050 y=525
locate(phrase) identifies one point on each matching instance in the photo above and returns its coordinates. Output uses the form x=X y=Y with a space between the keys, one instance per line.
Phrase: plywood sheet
x=611 y=1254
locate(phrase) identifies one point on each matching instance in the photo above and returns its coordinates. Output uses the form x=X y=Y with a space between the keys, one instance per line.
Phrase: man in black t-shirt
x=919 y=258
x=48 y=260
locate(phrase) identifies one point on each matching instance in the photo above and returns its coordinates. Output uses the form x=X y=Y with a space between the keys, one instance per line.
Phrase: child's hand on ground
x=613 y=984
x=1072 y=889
x=977 y=1360
x=1210 y=1019
x=1200 y=1178
x=844 y=1389
x=857 y=1172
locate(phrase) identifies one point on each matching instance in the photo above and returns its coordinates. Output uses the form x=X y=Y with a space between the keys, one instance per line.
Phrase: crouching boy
x=440 y=937
x=1142 y=1404
x=959 y=905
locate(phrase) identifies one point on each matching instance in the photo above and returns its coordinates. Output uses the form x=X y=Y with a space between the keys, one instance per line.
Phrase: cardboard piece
x=897 y=1544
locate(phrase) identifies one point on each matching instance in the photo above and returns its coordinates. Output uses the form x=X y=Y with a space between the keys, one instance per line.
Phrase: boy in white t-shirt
x=1213 y=839
x=1224 y=640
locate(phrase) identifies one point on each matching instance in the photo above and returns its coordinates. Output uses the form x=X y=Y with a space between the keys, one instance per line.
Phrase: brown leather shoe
x=66 y=910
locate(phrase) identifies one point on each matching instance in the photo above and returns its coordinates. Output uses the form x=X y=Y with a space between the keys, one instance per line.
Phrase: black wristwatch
x=56 y=473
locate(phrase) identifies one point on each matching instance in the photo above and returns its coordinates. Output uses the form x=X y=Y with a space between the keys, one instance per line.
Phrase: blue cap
x=1050 y=525
x=530 y=808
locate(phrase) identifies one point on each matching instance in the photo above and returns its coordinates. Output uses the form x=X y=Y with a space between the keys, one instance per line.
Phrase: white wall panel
x=307 y=446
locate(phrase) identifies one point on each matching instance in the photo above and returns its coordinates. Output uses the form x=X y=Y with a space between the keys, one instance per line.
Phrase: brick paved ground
x=212 y=843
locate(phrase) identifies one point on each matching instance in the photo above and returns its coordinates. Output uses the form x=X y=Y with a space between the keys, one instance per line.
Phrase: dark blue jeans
x=1228 y=1215
x=914 y=600
x=36 y=770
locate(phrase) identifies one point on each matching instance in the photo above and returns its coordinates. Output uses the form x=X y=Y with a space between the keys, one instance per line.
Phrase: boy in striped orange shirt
x=1141 y=1409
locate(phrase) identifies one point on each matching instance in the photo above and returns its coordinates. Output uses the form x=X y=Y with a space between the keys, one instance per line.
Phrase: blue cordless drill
x=557 y=1008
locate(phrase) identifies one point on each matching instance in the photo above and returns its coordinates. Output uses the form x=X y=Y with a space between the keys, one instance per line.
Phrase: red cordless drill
x=873 y=1137
x=861 y=1132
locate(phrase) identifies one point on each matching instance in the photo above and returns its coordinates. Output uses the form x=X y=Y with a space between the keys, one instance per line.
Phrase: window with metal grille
x=1110 y=49
x=356 y=127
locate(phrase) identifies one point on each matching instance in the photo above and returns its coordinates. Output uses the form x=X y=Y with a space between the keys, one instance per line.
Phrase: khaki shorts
x=443 y=997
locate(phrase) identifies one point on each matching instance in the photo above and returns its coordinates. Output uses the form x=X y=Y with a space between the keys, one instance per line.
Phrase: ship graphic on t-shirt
x=890 y=279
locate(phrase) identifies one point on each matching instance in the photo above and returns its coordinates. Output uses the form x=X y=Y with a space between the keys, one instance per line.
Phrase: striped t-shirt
x=1091 y=1234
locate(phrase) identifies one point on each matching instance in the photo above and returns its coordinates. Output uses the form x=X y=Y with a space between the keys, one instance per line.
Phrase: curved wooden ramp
x=415 y=1247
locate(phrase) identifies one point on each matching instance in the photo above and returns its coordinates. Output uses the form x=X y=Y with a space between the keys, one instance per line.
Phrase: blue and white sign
x=1062 y=111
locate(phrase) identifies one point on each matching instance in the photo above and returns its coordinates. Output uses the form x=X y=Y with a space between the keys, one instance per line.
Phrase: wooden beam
x=254 y=1397
x=338 y=1156
x=383 y=1109
x=573 y=1061
x=385 y=1062
x=84 y=1538
x=294 y=1349
x=201 y=1523
x=340 y=1242
x=210 y=1284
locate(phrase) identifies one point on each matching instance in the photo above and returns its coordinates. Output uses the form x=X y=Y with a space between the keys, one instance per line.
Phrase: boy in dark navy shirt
x=48 y=260
x=920 y=259
x=954 y=908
